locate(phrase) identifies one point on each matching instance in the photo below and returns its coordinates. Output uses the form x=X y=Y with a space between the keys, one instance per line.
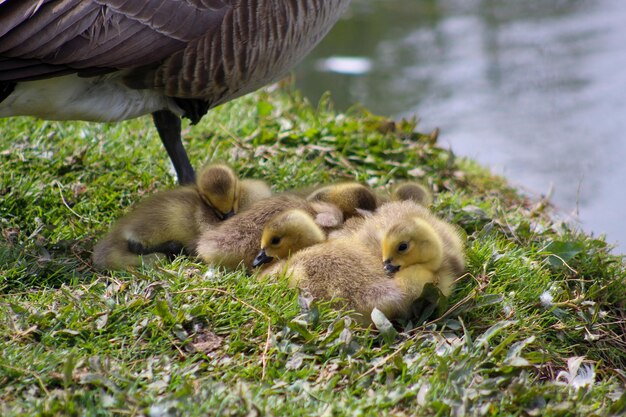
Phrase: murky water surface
x=536 y=90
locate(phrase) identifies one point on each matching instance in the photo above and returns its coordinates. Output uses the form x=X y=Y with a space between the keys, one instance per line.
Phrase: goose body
x=95 y=99
x=352 y=198
x=344 y=271
x=109 y=60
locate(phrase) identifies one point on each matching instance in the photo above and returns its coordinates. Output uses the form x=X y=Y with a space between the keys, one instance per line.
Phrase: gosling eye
x=275 y=240
x=403 y=247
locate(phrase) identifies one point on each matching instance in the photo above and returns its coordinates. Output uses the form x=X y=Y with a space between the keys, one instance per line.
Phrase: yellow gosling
x=236 y=241
x=351 y=198
x=169 y=223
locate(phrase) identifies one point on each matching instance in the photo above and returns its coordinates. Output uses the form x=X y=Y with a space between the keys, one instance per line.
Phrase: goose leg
x=168 y=125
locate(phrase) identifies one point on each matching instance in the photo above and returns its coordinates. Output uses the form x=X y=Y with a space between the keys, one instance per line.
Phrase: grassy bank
x=183 y=339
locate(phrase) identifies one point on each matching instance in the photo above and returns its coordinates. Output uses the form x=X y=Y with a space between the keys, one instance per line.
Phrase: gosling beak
x=389 y=267
x=261 y=259
x=228 y=215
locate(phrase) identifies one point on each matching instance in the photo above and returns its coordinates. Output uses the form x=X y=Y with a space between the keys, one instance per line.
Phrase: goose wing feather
x=44 y=38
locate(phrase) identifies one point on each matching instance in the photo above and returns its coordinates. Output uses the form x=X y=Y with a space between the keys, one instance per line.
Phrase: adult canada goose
x=169 y=222
x=110 y=60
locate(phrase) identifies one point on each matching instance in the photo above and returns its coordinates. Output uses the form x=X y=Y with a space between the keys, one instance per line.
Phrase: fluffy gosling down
x=385 y=264
x=412 y=191
x=352 y=198
x=343 y=271
x=286 y=234
x=169 y=222
x=236 y=241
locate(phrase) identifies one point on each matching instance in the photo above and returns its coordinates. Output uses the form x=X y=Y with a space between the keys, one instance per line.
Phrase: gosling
x=169 y=222
x=413 y=254
x=412 y=191
x=345 y=270
x=352 y=198
x=236 y=241
x=286 y=234
x=403 y=191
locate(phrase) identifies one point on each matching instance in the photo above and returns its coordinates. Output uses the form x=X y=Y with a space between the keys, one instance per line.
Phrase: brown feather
x=213 y=50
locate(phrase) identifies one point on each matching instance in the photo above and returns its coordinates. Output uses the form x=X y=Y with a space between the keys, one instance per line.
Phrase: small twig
x=81 y=260
x=564 y=263
x=173 y=342
x=573 y=303
x=121 y=411
x=378 y=365
x=234 y=137
x=452 y=309
x=58 y=184
x=251 y=307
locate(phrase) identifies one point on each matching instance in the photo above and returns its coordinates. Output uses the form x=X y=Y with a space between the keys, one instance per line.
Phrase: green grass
x=183 y=339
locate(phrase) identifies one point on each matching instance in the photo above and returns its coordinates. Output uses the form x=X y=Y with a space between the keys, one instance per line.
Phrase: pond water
x=535 y=90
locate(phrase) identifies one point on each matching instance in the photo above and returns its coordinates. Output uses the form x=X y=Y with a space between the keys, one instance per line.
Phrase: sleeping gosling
x=351 y=198
x=236 y=242
x=344 y=272
x=412 y=191
x=169 y=222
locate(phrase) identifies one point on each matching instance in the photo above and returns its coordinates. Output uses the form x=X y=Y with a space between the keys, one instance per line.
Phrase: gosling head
x=412 y=191
x=218 y=186
x=350 y=197
x=411 y=241
x=288 y=233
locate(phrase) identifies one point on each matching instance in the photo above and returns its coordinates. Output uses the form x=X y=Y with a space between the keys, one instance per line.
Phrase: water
x=535 y=90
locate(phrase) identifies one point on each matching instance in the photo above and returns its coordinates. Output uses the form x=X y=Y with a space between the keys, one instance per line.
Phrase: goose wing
x=47 y=38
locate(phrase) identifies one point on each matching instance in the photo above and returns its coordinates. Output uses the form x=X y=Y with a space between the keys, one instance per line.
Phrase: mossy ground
x=182 y=339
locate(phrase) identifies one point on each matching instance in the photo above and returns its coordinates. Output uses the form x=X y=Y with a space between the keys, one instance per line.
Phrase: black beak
x=390 y=268
x=261 y=259
x=228 y=215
